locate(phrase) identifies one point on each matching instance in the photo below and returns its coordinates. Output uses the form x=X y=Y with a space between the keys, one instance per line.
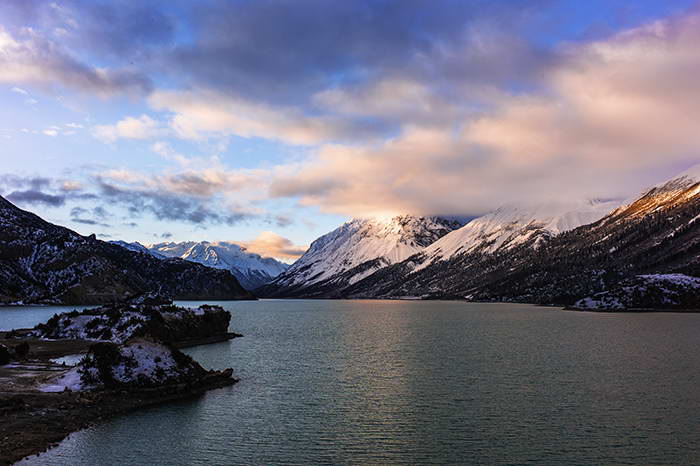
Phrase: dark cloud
x=166 y=205
x=283 y=220
x=166 y=235
x=33 y=190
x=287 y=50
x=95 y=216
x=43 y=37
x=124 y=29
x=32 y=196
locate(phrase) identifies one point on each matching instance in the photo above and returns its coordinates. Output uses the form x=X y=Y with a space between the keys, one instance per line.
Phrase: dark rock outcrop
x=5 y=355
x=121 y=322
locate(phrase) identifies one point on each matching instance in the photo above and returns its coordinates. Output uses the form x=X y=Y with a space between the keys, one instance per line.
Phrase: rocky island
x=125 y=357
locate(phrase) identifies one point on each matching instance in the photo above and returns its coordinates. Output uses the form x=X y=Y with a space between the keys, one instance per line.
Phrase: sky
x=271 y=122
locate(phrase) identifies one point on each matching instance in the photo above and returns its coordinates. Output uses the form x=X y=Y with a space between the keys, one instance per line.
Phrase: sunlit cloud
x=270 y=244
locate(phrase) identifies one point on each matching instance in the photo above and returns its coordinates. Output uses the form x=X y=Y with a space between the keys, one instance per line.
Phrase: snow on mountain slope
x=512 y=225
x=251 y=270
x=384 y=240
x=678 y=190
x=138 y=247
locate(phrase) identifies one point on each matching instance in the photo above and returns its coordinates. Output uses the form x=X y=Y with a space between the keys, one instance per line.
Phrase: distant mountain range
x=45 y=263
x=551 y=253
x=251 y=270
x=641 y=253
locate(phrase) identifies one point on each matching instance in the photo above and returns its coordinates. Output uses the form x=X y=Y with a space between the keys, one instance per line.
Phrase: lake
x=411 y=382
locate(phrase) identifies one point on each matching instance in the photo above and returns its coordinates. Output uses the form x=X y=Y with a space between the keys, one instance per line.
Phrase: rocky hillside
x=251 y=270
x=45 y=263
x=354 y=251
x=647 y=292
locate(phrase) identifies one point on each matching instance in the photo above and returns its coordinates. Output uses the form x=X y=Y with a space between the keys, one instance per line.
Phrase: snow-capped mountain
x=512 y=225
x=360 y=247
x=553 y=252
x=251 y=270
x=138 y=247
x=656 y=233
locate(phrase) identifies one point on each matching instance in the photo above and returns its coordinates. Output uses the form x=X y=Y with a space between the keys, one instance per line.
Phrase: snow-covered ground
x=118 y=324
x=655 y=291
x=140 y=361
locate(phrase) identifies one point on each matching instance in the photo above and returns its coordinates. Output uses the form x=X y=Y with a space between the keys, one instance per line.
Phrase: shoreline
x=35 y=421
x=25 y=434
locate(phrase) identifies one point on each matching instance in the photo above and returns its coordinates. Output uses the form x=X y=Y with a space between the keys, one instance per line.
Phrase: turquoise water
x=406 y=382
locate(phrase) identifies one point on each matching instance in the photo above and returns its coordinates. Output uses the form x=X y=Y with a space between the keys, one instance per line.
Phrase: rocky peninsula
x=82 y=367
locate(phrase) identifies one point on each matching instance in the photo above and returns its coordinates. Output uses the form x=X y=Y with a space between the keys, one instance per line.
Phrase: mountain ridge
x=357 y=248
x=250 y=269
x=556 y=258
x=45 y=263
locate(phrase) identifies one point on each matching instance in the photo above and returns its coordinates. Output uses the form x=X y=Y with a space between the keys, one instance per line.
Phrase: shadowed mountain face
x=45 y=263
x=554 y=253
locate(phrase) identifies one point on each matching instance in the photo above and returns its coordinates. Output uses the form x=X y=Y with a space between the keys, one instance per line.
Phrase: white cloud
x=143 y=127
x=50 y=132
x=201 y=113
x=19 y=90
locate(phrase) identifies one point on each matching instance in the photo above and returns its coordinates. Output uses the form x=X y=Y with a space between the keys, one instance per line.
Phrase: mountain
x=138 y=247
x=513 y=225
x=45 y=263
x=656 y=233
x=551 y=253
x=251 y=270
x=355 y=250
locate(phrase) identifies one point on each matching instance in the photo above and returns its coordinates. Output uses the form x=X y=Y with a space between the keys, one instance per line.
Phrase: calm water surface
x=421 y=382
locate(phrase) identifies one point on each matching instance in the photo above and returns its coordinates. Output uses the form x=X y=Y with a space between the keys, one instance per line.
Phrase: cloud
x=34 y=190
x=597 y=125
x=19 y=90
x=168 y=205
x=270 y=244
x=201 y=113
x=95 y=216
x=143 y=127
x=284 y=52
x=35 y=60
x=32 y=196
x=283 y=220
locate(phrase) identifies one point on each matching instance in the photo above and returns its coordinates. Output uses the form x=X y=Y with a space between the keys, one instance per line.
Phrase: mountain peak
x=363 y=245
x=251 y=269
